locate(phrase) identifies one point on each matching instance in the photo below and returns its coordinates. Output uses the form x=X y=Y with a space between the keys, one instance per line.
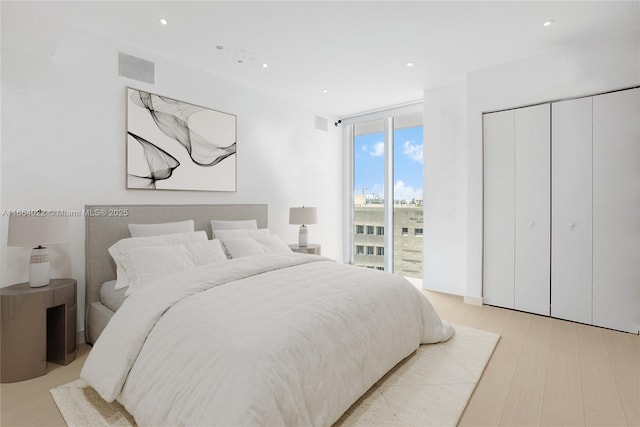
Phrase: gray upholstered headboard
x=106 y=224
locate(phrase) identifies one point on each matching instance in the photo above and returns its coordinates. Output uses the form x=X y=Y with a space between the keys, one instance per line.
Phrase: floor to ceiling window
x=387 y=194
x=408 y=197
x=368 y=193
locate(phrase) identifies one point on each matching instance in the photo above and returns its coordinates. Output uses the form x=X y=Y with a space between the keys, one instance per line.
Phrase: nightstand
x=311 y=248
x=37 y=325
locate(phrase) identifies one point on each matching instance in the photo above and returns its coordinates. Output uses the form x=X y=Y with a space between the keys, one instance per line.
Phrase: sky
x=408 y=164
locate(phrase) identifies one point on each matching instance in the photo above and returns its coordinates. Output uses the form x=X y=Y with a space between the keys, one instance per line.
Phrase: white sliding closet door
x=616 y=210
x=571 y=244
x=498 y=269
x=532 y=211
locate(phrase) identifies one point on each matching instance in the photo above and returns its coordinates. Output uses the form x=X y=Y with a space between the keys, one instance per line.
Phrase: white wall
x=445 y=182
x=586 y=69
x=63 y=144
x=453 y=143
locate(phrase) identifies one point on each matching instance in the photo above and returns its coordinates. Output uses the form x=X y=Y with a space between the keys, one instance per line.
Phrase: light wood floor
x=549 y=372
x=543 y=372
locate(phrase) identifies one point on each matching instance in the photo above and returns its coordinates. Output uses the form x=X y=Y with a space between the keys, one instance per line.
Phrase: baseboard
x=473 y=300
x=80 y=337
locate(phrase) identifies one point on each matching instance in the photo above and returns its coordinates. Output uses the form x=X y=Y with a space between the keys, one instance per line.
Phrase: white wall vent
x=136 y=68
x=322 y=123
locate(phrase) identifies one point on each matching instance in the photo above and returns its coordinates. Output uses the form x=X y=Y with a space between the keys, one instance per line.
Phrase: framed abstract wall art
x=174 y=145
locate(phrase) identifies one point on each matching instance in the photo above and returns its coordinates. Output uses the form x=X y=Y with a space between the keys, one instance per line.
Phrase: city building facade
x=369 y=231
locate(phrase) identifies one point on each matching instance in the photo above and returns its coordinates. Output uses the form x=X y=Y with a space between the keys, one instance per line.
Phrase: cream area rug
x=431 y=387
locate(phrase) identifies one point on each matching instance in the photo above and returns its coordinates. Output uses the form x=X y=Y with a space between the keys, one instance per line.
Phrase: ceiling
x=356 y=51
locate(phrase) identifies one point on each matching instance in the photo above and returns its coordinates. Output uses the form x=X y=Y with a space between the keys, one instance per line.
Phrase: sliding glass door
x=387 y=194
x=368 y=194
x=408 y=197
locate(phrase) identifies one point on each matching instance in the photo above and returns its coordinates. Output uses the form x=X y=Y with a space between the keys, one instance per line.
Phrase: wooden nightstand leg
x=24 y=327
x=71 y=346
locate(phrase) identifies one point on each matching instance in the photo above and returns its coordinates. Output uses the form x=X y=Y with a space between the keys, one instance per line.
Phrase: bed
x=269 y=339
x=106 y=224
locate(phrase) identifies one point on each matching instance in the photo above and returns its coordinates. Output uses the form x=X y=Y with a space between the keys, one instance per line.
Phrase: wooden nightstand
x=311 y=248
x=37 y=325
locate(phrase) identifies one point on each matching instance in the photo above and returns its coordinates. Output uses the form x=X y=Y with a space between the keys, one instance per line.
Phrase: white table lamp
x=303 y=216
x=34 y=231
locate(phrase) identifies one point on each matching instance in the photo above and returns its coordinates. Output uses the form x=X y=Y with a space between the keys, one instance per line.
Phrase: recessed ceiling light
x=549 y=22
x=324 y=91
x=410 y=64
x=265 y=65
x=219 y=47
x=163 y=21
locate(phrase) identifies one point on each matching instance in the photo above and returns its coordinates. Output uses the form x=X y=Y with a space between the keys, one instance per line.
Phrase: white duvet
x=267 y=340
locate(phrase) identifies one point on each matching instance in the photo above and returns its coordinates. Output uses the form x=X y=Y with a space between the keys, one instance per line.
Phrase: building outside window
x=359 y=229
x=408 y=243
x=380 y=231
x=369 y=229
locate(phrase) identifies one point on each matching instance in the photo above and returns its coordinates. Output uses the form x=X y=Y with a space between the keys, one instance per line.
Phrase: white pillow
x=233 y=234
x=272 y=243
x=243 y=246
x=147 y=263
x=206 y=252
x=256 y=243
x=249 y=224
x=120 y=250
x=146 y=230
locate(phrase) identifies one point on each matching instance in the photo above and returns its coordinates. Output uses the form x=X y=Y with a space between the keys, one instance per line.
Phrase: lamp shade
x=35 y=230
x=303 y=215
